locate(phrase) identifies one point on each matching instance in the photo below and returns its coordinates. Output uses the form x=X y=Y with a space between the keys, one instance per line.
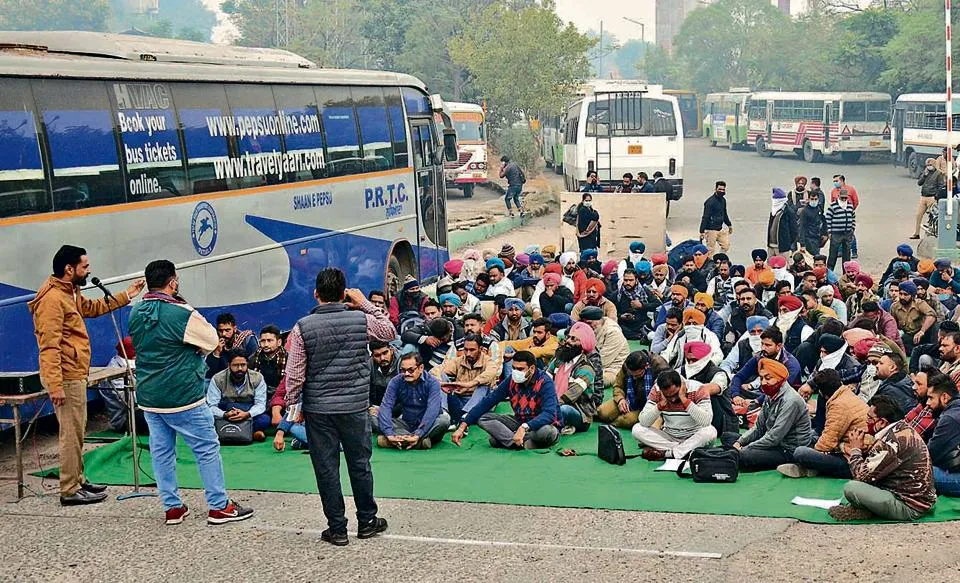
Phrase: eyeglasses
x=410 y=370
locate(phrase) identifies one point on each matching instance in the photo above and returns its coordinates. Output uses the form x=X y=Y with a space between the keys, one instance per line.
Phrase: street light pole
x=642 y=39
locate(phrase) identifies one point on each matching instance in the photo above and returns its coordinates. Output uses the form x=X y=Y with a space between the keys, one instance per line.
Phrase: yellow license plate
x=875 y=142
x=638 y=149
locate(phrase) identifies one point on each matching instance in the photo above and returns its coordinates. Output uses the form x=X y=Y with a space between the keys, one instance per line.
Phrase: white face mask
x=587 y=204
x=518 y=376
x=755 y=343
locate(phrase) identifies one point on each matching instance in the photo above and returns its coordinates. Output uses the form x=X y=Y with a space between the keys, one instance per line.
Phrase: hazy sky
x=587 y=14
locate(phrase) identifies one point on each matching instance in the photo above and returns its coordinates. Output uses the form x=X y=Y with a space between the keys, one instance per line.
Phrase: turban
x=453 y=267
x=905 y=250
x=941 y=263
x=854 y=335
x=586 y=254
x=409 y=283
x=679 y=289
x=695 y=316
x=718 y=257
x=584 y=333
x=507 y=251
x=514 y=303
x=921 y=282
x=608 y=267
x=697 y=350
x=659 y=258
x=926 y=267
x=591 y=313
x=128 y=348
x=507 y=263
x=909 y=288
x=496 y=262
x=700 y=248
x=865 y=279
x=901 y=266
x=663 y=270
x=754 y=322
x=596 y=284
x=778 y=262
x=536 y=258
x=831 y=342
x=471 y=254
x=852 y=266
x=800 y=180
x=774 y=368
x=531 y=249
x=638 y=247
x=560 y=320
x=550 y=250
x=767 y=278
x=779 y=193
x=707 y=299
x=450 y=298
x=759 y=254
x=553 y=268
x=862 y=348
x=790 y=302
x=824 y=290
x=567 y=257
x=644 y=267
x=553 y=278
x=522 y=259
x=488 y=253
x=737 y=270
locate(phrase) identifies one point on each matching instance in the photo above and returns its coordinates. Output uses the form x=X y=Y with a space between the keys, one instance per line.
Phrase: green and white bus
x=725 y=118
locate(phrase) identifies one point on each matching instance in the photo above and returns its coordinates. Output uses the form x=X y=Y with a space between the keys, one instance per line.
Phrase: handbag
x=711 y=464
x=570 y=217
x=610 y=446
x=234 y=432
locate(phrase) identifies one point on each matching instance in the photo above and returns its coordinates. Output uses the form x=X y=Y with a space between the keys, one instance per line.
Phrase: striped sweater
x=840 y=220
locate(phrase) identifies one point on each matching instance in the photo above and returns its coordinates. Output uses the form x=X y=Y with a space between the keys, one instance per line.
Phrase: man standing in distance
x=714 y=219
x=327 y=362
x=58 y=312
x=515 y=180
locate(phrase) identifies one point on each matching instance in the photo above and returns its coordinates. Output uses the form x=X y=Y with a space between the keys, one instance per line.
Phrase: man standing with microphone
x=58 y=311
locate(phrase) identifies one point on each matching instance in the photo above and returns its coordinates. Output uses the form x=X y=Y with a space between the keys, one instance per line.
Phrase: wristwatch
x=526 y=427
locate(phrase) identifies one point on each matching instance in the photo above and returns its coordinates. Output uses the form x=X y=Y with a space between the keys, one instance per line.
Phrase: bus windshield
x=625 y=115
x=469 y=127
x=866 y=110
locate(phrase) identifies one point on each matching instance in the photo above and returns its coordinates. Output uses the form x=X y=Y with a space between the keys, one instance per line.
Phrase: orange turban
x=680 y=289
x=767 y=278
x=925 y=267
x=596 y=284
x=707 y=299
x=775 y=368
x=694 y=316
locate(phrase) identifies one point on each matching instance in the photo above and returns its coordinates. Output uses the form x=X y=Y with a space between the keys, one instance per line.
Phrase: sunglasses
x=410 y=370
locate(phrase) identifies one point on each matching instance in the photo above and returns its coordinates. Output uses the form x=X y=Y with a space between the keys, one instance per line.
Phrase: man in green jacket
x=171 y=340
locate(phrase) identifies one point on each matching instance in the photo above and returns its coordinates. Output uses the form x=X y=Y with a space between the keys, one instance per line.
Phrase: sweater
x=944 y=446
x=839 y=220
x=613 y=348
x=898 y=462
x=714 y=214
x=533 y=402
x=421 y=403
x=783 y=423
x=679 y=422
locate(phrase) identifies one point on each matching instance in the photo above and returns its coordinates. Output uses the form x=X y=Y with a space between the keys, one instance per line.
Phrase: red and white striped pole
x=949 y=63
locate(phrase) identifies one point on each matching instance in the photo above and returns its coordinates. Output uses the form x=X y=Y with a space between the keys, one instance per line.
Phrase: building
x=670 y=14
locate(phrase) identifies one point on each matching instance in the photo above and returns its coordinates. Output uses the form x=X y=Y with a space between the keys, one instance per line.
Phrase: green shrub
x=517 y=143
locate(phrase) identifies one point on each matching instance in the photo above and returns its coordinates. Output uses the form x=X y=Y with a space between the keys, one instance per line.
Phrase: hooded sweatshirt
x=58 y=311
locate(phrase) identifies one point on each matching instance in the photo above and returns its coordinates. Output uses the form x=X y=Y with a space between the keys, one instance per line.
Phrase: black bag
x=610 y=445
x=234 y=432
x=570 y=217
x=711 y=464
x=523 y=177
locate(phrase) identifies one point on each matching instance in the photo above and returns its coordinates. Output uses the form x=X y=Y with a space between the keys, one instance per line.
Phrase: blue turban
x=638 y=247
x=559 y=320
x=586 y=254
x=760 y=254
x=643 y=267
x=779 y=193
x=941 y=263
x=514 y=303
x=452 y=298
x=901 y=265
x=701 y=249
x=536 y=258
x=754 y=321
x=904 y=249
x=909 y=288
x=496 y=262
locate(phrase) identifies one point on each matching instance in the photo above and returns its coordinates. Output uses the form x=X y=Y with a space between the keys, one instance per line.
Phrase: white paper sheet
x=669 y=465
x=815 y=502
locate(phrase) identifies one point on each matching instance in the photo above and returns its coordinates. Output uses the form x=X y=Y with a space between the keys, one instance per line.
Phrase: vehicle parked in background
x=470 y=168
x=919 y=129
x=725 y=120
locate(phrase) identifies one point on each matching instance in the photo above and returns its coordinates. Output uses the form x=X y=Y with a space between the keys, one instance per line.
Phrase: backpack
x=523 y=177
x=570 y=217
x=711 y=464
x=610 y=446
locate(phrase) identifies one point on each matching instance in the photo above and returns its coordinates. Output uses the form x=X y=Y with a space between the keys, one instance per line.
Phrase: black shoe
x=372 y=528
x=93 y=488
x=337 y=539
x=81 y=496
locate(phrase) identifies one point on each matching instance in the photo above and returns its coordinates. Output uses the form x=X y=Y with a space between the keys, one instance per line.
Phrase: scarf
x=673 y=353
x=776 y=205
x=163 y=298
x=692 y=369
x=781 y=274
x=755 y=343
x=561 y=377
x=831 y=360
x=786 y=321
x=637 y=293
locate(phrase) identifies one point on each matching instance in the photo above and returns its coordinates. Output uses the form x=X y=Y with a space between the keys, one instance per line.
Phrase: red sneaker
x=233 y=512
x=176 y=515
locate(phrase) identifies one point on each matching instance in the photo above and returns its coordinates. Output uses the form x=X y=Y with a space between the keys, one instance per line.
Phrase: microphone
x=96 y=281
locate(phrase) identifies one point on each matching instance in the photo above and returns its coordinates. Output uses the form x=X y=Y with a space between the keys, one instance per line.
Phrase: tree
x=601 y=56
x=54 y=15
x=255 y=21
x=430 y=61
x=628 y=59
x=328 y=33
x=659 y=67
x=915 y=55
x=858 y=52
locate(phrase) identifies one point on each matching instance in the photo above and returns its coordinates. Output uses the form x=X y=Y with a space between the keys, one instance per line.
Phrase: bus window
x=207 y=125
x=469 y=127
x=395 y=109
x=374 y=129
x=340 y=124
x=258 y=130
x=416 y=102
x=302 y=134
x=878 y=111
x=854 y=111
x=83 y=147
x=149 y=142
x=23 y=190
x=658 y=118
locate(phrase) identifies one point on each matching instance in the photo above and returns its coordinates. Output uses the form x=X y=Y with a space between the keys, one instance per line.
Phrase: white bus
x=470 y=168
x=813 y=125
x=920 y=129
x=250 y=169
x=621 y=126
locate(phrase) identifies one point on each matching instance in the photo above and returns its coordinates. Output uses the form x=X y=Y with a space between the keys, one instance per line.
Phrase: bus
x=725 y=118
x=551 y=142
x=814 y=124
x=920 y=129
x=250 y=169
x=689 y=103
x=470 y=167
x=621 y=126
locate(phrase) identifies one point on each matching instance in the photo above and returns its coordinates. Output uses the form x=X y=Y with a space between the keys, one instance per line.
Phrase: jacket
x=544 y=352
x=944 y=446
x=337 y=378
x=609 y=309
x=714 y=214
x=58 y=311
x=485 y=371
x=782 y=229
x=931 y=183
x=379 y=379
x=846 y=412
x=580 y=388
x=899 y=387
x=811 y=225
x=171 y=339
x=783 y=423
x=897 y=461
x=613 y=348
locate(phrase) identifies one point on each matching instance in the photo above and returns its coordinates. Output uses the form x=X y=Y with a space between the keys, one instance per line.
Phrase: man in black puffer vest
x=327 y=361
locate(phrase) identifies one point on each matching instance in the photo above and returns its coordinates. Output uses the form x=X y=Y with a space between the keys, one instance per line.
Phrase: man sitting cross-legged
x=466 y=379
x=893 y=477
x=687 y=418
x=238 y=394
x=630 y=389
x=846 y=413
x=422 y=422
x=535 y=423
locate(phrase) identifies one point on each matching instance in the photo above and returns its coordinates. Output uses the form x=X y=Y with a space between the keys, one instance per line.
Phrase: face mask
x=518 y=376
x=588 y=204
x=770 y=391
x=836 y=184
x=755 y=343
x=814 y=203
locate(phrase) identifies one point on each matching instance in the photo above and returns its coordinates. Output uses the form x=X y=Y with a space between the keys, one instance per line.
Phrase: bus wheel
x=402 y=263
x=762 y=148
x=798 y=152
x=558 y=169
x=850 y=157
x=467 y=191
x=809 y=154
x=913 y=165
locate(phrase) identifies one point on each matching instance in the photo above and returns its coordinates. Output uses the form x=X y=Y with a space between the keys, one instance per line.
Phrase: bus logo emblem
x=203 y=229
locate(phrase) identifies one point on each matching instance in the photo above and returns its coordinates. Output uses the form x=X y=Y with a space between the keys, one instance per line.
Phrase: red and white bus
x=470 y=168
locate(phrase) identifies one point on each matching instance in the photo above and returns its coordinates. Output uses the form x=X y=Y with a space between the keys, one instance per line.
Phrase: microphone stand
x=130 y=388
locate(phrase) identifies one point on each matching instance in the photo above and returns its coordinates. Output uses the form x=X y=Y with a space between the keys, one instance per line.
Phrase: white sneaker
x=796 y=471
x=568 y=430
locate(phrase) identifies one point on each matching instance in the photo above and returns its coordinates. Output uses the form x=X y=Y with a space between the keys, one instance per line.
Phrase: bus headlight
x=673 y=166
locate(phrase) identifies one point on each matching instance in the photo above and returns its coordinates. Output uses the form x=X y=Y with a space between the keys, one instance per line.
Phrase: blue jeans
x=260 y=423
x=460 y=405
x=947 y=483
x=572 y=418
x=514 y=193
x=298 y=430
x=833 y=465
x=195 y=426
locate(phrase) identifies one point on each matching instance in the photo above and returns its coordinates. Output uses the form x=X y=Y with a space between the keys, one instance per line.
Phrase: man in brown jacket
x=58 y=312
x=466 y=379
x=846 y=413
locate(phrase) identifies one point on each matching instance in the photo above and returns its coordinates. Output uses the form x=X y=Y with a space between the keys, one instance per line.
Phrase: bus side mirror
x=450 y=145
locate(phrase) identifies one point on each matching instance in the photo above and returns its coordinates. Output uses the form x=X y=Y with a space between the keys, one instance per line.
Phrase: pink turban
x=584 y=333
x=553 y=278
x=697 y=350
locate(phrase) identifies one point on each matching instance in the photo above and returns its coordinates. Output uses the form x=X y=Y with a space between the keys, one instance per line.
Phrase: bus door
x=897 y=130
x=769 y=125
x=431 y=197
x=827 y=120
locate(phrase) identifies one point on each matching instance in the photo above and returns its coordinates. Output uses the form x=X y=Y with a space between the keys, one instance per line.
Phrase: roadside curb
x=457 y=240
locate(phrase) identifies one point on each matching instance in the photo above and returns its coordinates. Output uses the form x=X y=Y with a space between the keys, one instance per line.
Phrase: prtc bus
x=920 y=129
x=621 y=126
x=689 y=103
x=725 y=119
x=813 y=125
x=470 y=168
x=250 y=169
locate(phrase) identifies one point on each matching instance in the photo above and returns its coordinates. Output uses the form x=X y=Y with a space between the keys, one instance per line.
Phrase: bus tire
x=558 y=169
x=809 y=154
x=467 y=191
x=913 y=165
x=850 y=157
x=762 y=148
x=401 y=264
